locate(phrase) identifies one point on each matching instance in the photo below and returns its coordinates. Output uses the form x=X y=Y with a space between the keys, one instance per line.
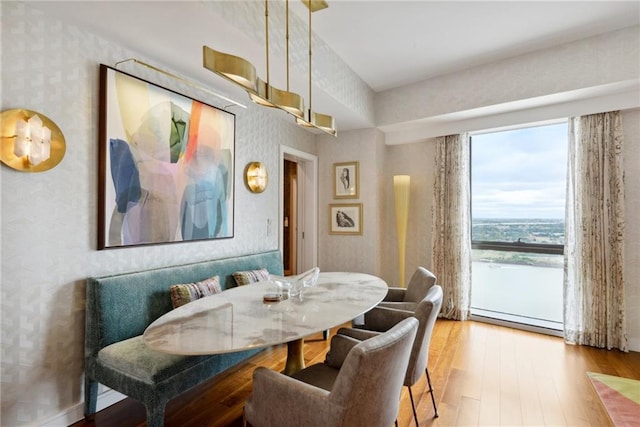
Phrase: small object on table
x=272 y=297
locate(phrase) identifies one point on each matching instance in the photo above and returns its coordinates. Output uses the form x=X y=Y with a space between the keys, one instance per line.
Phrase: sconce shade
x=291 y=102
x=401 y=187
x=320 y=121
x=256 y=177
x=270 y=96
x=261 y=97
x=231 y=67
x=31 y=142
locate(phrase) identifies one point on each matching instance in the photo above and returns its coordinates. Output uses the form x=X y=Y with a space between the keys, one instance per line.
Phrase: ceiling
x=387 y=43
x=392 y=43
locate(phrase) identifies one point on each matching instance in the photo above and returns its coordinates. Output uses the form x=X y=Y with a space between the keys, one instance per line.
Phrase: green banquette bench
x=119 y=309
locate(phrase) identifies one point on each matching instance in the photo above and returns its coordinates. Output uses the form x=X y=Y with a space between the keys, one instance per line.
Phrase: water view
x=518 y=286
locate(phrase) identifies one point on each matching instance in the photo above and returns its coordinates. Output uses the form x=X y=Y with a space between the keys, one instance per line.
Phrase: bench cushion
x=185 y=293
x=137 y=360
x=247 y=277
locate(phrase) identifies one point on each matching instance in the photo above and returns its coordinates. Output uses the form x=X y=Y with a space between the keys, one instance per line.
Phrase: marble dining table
x=239 y=318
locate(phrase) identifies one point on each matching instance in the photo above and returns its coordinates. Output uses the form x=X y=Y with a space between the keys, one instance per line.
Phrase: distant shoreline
x=519 y=262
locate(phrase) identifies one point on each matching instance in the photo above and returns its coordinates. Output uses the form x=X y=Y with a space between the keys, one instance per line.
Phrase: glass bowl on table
x=296 y=284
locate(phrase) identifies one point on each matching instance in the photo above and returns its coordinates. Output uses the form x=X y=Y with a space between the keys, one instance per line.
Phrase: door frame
x=307 y=232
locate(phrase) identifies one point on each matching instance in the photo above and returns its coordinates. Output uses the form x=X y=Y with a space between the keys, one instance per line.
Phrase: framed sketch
x=166 y=165
x=345 y=218
x=345 y=180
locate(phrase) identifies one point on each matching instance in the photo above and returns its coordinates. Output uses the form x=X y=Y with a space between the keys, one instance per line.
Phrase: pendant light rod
x=286 y=37
x=320 y=121
x=310 y=71
x=266 y=26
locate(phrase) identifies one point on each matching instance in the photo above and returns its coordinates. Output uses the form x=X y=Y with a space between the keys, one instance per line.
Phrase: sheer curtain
x=594 y=235
x=451 y=225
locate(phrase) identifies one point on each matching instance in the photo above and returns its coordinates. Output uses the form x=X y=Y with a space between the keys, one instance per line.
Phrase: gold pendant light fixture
x=270 y=96
x=320 y=121
x=241 y=72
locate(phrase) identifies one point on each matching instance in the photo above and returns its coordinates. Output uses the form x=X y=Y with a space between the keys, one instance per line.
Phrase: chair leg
x=413 y=406
x=90 y=398
x=433 y=399
x=396 y=422
x=155 y=414
x=325 y=334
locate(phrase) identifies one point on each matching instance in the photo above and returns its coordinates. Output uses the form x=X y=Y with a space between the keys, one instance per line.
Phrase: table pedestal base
x=295 y=357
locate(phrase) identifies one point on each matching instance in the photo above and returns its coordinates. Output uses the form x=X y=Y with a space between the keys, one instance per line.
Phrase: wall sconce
x=31 y=142
x=401 y=187
x=256 y=177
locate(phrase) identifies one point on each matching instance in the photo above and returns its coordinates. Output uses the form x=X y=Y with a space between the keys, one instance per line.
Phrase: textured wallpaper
x=417 y=161
x=352 y=253
x=631 y=125
x=49 y=219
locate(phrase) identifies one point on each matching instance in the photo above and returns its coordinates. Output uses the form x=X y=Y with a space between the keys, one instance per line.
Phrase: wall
x=352 y=253
x=631 y=124
x=417 y=161
x=49 y=220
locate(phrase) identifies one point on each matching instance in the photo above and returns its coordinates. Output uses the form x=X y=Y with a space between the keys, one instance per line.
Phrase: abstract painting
x=166 y=165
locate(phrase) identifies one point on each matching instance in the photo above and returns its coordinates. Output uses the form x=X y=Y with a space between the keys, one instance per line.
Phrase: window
x=518 y=184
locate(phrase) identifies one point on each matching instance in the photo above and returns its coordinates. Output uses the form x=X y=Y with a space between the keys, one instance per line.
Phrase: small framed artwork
x=345 y=218
x=345 y=180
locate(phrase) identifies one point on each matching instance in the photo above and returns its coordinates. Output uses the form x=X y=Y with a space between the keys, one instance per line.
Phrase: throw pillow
x=250 y=276
x=187 y=292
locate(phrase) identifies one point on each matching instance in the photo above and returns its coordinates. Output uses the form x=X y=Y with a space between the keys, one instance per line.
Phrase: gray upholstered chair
x=384 y=318
x=357 y=385
x=409 y=297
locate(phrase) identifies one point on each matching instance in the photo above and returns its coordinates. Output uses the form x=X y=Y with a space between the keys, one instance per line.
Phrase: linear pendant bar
x=241 y=72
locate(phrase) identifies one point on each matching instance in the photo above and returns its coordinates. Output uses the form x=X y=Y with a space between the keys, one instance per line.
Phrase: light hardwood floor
x=482 y=374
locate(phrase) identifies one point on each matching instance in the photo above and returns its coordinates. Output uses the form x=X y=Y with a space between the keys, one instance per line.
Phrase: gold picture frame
x=345 y=219
x=346 y=180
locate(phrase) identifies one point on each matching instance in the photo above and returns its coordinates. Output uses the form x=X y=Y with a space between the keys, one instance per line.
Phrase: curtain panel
x=594 y=306
x=451 y=224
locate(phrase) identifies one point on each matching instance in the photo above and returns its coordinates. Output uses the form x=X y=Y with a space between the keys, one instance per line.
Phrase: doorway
x=298 y=210
x=290 y=217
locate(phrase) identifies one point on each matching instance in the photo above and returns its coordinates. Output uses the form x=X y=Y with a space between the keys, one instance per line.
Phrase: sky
x=519 y=173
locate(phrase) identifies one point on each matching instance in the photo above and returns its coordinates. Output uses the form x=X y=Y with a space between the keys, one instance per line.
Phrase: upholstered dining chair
x=383 y=318
x=409 y=297
x=358 y=384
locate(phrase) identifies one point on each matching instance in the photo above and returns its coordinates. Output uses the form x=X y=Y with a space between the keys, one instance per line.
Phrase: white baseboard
x=76 y=412
x=634 y=344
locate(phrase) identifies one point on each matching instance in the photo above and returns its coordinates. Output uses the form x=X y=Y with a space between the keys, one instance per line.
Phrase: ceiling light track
x=183 y=80
x=241 y=72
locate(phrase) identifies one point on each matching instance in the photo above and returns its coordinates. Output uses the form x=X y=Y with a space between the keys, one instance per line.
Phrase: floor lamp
x=401 y=190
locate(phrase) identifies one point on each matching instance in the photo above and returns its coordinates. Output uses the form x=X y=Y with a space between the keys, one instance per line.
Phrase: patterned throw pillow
x=251 y=276
x=187 y=292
